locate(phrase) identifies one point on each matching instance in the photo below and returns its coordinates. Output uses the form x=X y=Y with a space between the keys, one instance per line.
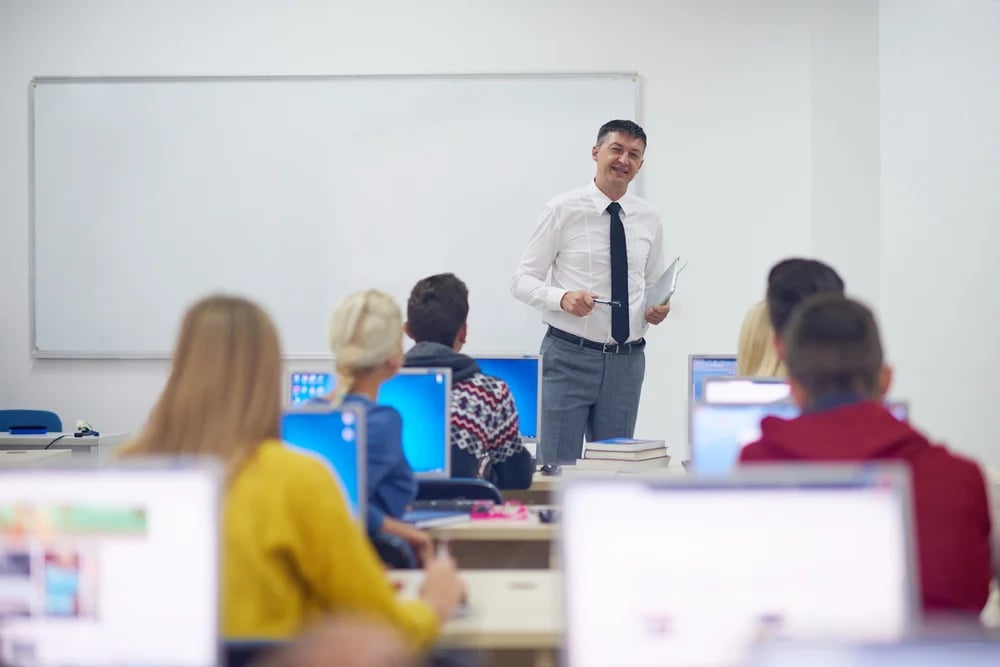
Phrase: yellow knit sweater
x=292 y=552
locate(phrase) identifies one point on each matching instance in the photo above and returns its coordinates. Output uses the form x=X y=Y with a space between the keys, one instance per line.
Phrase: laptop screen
x=736 y=561
x=745 y=390
x=422 y=396
x=703 y=366
x=720 y=430
x=338 y=438
x=524 y=377
x=90 y=561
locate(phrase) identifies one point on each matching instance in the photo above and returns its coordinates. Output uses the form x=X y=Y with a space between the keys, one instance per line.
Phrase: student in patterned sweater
x=485 y=439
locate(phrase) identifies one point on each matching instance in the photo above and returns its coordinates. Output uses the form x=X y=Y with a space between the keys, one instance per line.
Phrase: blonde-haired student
x=292 y=553
x=366 y=337
x=756 y=355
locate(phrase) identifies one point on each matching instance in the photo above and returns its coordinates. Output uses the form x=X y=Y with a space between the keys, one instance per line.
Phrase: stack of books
x=624 y=455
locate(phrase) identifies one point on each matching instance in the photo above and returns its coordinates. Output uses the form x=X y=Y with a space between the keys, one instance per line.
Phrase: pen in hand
x=607 y=302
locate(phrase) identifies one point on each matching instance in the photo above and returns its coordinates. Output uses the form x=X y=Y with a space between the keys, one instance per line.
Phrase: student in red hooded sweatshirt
x=833 y=353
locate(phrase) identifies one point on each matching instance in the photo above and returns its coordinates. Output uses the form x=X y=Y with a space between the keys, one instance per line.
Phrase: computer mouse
x=550 y=469
x=548 y=515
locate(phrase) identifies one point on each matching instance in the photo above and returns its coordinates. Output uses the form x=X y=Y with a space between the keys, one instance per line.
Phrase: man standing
x=597 y=242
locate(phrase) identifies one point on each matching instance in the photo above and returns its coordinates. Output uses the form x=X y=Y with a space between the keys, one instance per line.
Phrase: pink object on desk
x=512 y=509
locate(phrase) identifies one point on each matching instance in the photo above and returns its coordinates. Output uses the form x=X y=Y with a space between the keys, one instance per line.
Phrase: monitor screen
x=745 y=390
x=91 y=561
x=703 y=367
x=337 y=437
x=719 y=431
x=422 y=396
x=523 y=375
x=736 y=562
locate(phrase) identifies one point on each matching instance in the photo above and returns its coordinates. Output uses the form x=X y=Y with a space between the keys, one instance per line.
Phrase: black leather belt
x=606 y=348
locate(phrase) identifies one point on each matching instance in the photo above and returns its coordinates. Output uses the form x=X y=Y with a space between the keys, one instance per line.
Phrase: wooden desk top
x=507 y=609
x=498 y=530
x=540 y=482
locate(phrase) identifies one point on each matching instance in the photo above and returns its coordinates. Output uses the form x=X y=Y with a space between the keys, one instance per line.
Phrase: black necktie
x=619 y=275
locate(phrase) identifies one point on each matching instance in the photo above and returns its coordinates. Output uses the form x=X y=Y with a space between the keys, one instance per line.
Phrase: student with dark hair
x=485 y=437
x=599 y=244
x=833 y=355
x=791 y=281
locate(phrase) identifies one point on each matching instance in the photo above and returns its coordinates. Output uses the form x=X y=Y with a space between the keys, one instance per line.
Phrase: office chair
x=458 y=489
x=49 y=420
x=395 y=552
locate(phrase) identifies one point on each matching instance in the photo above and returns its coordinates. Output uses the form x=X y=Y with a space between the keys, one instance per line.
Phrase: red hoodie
x=950 y=508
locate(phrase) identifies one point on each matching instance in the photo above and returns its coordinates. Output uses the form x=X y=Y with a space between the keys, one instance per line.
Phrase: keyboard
x=450 y=504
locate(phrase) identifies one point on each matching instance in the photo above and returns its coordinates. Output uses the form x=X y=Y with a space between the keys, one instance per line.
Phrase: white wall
x=746 y=106
x=940 y=139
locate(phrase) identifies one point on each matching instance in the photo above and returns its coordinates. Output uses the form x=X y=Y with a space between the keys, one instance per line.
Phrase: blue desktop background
x=521 y=375
x=420 y=399
x=334 y=437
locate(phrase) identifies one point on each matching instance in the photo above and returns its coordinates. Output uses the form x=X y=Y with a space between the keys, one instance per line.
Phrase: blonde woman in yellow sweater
x=291 y=550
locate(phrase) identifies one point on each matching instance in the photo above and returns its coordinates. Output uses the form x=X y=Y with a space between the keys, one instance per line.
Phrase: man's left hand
x=656 y=314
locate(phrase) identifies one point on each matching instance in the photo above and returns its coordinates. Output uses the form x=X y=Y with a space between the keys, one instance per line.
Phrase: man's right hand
x=578 y=303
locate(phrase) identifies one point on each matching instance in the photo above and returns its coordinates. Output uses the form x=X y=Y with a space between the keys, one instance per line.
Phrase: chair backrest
x=395 y=552
x=244 y=653
x=458 y=489
x=46 y=418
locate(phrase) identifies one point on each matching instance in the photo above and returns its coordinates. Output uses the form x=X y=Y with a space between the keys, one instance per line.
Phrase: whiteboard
x=148 y=194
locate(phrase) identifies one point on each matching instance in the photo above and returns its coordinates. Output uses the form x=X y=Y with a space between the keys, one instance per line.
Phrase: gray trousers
x=586 y=394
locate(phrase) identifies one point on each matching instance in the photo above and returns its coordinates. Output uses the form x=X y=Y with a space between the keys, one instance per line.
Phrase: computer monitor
x=337 y=437
x=523 y=374
x=745 y=390
x=772 y=552
x=720 y=430
x=423 y=398
x=704 y=366
x=107 y=566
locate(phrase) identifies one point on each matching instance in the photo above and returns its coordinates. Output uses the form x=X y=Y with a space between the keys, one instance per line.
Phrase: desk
x=87 y=445
x=10 y=458
x=544 y=488
x=510 y=613
x=500 y=543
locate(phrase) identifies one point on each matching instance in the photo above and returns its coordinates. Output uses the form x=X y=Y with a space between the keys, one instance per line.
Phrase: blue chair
x=45 y=418
x=459 y=488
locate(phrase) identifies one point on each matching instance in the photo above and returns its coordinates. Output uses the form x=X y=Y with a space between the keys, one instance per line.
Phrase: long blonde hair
x=365 y=331
x=756 y=356
x=223 y=396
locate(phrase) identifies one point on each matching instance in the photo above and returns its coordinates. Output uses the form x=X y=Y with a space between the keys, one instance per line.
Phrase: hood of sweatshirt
x=431 y=355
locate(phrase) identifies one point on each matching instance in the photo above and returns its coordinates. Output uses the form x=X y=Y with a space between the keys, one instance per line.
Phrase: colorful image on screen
x=332 y=436
x=521 y=375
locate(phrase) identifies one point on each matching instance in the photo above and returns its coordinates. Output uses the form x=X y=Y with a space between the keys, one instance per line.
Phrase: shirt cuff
x=553 y=298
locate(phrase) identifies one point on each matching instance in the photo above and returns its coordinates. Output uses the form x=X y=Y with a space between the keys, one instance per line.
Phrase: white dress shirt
x=570 y=250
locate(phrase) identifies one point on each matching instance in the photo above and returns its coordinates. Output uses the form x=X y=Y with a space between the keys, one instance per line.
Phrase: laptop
x=107 y=566
x=700 y=368
x=421 y=395
x=720 y=430
x=694 y=571
x=523 y=374
x=745 y=390
x=337 y=437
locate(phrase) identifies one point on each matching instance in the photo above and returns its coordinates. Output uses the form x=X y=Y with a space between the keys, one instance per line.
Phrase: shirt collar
x=601 y=200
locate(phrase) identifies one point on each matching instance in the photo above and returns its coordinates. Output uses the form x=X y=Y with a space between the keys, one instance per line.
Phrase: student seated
x=366 y=336
x=485 y=437
x=835 y=366
x=756 y=355
x=291 y=552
